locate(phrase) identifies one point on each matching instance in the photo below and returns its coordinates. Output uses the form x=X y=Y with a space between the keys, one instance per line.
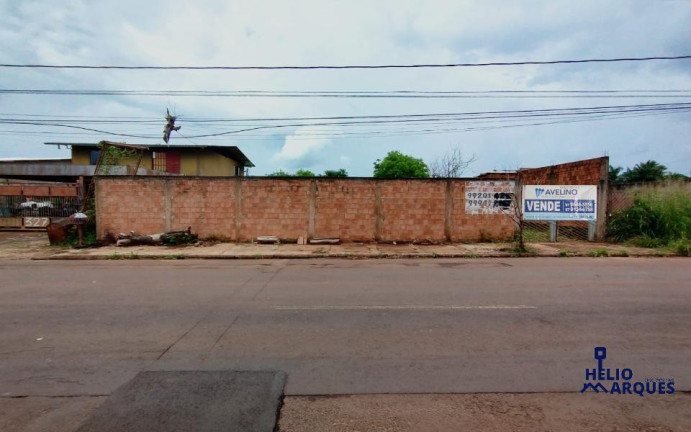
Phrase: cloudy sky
x=302 y=33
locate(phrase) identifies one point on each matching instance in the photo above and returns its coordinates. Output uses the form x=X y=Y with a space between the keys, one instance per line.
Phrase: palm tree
x=615 y=174
x=649 y=171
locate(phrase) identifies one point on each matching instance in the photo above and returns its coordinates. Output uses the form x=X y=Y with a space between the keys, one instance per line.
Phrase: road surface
x=344 y=326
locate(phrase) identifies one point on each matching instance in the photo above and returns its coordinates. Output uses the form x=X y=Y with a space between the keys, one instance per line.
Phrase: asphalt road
x=344 y=326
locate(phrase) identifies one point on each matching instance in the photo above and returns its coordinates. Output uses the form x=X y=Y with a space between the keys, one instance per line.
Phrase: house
x=188 y=160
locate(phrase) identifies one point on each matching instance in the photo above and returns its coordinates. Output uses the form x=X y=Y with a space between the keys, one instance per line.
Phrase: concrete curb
x=388 y=256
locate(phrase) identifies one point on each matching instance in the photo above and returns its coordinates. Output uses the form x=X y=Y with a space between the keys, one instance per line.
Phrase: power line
x=399 y=132
x=402 y=94
x=470 y=116
x=427 y=120
x=384 y=66
x=403 y=117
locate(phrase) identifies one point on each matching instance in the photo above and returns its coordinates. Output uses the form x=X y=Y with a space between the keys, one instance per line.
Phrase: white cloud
x=308 y=32
x=302 y=144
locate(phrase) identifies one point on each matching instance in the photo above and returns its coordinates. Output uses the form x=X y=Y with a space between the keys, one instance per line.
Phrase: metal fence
x=33 y=205
x=538 y=231
x=46 y=206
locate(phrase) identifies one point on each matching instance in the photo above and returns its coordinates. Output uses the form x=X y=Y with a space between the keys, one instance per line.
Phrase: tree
x=649 y=171
x=398 y=165
x=304 y=173
x=279 y=173
x=339 y=173
x=676 y=177
x=452 y=164
x=615 y=175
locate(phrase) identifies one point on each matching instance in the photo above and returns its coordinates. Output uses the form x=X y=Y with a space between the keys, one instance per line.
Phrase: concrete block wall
x=473 y=227
x=272 y=207
x=584 y=172
x=130 y=204
x=240 y=209
x=345 y=208
x=354 y=209
x=412 y=210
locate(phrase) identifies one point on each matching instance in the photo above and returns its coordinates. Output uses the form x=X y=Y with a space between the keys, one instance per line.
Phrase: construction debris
x=168 y=238
x=268 y=240
x=325 y=241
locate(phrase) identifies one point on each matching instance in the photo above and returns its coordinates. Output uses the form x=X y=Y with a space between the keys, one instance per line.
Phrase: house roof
x=231 y=152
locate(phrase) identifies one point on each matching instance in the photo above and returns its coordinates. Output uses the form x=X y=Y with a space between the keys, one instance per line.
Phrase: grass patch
x=623 y=253
x=597 y=253
x=563 y=254
x=658 y=218
x=173 y=257
x=682 y=247
x=532 y=235
x=117 y=256
x=516 y=251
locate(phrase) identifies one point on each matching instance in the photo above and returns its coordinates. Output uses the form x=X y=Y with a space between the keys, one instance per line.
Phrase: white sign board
x=489 y=197
x=559 y=202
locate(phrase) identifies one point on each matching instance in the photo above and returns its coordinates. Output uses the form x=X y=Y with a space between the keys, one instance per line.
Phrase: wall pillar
x=238 y=207
x=448 y=211
x=168 y=205
x=602 y=200
x=312 y=209
x=378 y=217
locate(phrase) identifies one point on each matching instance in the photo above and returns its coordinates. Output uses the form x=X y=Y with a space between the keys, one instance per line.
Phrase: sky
x=305 y=33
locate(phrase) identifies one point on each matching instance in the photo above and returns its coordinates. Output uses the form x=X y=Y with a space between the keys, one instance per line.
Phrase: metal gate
x=31 y=206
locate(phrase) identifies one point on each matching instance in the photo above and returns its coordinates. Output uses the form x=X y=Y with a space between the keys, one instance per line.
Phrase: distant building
x=187 y=160
x=498 y=175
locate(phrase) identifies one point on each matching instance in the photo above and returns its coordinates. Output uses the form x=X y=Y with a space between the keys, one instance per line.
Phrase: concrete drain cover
x=157 y=401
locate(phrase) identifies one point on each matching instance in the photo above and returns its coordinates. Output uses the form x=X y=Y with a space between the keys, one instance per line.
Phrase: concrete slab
x=158 y=401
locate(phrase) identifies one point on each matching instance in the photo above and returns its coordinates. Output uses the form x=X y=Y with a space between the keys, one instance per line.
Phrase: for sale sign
x=559 y=202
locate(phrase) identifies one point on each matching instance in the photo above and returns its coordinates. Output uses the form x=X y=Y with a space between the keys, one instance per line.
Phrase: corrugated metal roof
x=33 y=159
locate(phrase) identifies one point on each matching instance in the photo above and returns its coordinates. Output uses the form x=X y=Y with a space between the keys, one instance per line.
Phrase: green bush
x=655 y=219
x=682 y=247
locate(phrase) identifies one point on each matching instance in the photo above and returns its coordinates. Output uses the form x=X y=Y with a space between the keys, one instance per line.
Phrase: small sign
x=489 y=197
x=36 y=222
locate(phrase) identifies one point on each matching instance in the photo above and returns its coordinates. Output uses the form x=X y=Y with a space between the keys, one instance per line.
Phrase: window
x=159 y=161
x=93 y=157
x=168 y=161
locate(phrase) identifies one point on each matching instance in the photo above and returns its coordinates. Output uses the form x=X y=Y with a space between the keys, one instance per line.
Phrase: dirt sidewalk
x=34 y=245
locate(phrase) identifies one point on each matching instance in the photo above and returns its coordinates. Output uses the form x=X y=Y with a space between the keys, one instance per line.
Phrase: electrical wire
x=428 y=121
x=383 y=66
x=396 y=94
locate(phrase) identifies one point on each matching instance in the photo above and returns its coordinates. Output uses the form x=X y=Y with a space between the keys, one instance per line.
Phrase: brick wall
x=345 y=208
x=241 y=209
x=272 y=207
x=584 y=172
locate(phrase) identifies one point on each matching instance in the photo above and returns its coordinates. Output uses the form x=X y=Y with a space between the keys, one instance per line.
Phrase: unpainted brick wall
x=241 y=209
x=584 y=172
